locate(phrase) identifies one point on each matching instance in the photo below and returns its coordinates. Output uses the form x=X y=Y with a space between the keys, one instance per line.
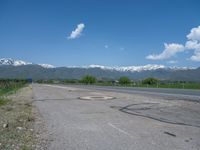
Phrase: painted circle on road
x=96 y=98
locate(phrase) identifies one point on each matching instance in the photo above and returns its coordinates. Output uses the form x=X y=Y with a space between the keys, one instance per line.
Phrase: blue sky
x=110 y=32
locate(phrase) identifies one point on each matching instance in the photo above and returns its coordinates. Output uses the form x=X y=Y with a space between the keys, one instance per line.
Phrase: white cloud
x=194 y=34
x=169 y=51
x=193 y=43
x=77 y=32
x=195 y=57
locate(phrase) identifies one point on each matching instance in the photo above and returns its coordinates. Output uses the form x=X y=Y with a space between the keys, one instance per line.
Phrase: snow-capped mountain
x=13 y=62
x=149 y=67
x=10 y=61
x=131 y=68
x=25 y=70
x=47 y=65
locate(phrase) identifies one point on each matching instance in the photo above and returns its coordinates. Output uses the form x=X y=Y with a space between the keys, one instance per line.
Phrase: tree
x=124 y=81
x=150 y=81
x=88 y=79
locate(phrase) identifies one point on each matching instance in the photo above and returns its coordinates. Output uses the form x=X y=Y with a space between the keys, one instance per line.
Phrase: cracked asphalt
x=132 y=120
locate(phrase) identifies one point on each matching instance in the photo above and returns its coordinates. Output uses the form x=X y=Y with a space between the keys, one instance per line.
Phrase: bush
x=150 y=81
x=88 y=79
x=124 y=81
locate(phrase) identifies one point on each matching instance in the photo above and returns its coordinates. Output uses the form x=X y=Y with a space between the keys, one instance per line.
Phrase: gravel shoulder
x=20 y=122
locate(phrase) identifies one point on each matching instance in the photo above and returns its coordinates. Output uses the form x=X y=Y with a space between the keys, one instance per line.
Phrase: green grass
x=5 y=91
x=10 y=86
x=173 y=85
x=6 y=88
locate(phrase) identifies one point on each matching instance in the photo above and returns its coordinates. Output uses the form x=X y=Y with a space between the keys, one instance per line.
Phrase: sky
x=103 y=32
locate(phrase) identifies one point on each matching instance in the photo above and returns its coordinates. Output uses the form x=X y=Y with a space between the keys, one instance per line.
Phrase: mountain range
x=10 y=68
x=10 y=61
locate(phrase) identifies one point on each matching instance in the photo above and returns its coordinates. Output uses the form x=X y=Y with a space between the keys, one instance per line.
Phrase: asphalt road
x=133 y=120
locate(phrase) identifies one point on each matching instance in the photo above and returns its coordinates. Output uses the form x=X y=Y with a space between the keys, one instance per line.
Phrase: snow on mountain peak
x=13 y=62
x=10 y=61
x=148 y=67
x=130 y=68
x=102 y=67
x=47 y=65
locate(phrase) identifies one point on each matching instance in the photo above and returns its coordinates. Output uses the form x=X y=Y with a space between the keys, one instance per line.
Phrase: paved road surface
x=131 y=121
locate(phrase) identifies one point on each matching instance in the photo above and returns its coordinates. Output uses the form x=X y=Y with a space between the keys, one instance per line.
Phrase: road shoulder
x=20 y=122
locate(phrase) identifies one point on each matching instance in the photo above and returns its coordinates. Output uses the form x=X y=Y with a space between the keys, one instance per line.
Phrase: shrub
x=150 y=81
x=124 y=81
x=88 y=79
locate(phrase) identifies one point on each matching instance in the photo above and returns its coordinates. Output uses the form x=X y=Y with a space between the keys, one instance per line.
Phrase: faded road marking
x=57 y=86
x=120 y=130
x=61 y=87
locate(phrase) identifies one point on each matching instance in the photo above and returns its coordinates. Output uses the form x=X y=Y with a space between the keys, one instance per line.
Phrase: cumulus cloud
x=193 y=43
x=195 y=57
x=194 y=34
x=77 y=32
x=169 y=51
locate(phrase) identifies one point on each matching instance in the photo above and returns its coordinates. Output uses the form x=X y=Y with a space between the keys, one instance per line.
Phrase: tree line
x=88 y=79
x=122 y=80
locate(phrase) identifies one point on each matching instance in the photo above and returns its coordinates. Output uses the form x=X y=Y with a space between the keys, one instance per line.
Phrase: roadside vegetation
x=124 y=81
x=16 y=116
x=7 y=85
x=88 y=79
x=127 y=82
